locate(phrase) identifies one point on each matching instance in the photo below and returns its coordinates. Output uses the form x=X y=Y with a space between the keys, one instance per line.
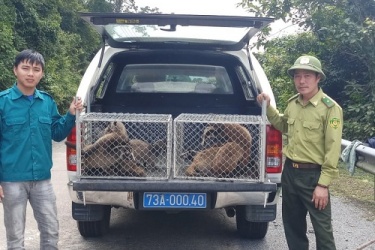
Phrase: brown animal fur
x=146 y=154
x=229 y=147
x=127 y=167
x=116 y=154
x=109 y=149
x=112 y=152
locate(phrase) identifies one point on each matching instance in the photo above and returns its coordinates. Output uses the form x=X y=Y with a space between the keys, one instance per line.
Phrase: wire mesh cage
x=210 y=146
x=115 y=145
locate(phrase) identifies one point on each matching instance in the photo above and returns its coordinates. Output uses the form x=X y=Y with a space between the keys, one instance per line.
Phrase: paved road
x=137 y=230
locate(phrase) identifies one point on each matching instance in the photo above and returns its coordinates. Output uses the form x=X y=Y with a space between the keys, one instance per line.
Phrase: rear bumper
x=121 y=193
x=171 y=185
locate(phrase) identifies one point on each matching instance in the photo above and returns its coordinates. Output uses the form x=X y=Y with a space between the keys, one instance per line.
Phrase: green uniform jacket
x=313 y=131
x=27 y=129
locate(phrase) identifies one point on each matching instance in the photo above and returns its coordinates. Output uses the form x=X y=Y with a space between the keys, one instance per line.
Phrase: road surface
x=204 y=230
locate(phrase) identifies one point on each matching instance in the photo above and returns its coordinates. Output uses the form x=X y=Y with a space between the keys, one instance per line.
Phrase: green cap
x=308 y=63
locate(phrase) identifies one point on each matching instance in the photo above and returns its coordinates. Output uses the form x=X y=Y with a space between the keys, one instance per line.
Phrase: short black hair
x=30 y=56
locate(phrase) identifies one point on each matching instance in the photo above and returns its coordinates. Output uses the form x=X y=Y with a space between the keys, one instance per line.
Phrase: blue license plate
x=174 y=200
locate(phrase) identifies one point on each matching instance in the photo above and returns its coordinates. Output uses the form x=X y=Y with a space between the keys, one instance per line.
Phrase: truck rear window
x=174 y=78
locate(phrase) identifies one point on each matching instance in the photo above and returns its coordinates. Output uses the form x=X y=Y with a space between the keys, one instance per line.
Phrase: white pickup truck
x=171 y=122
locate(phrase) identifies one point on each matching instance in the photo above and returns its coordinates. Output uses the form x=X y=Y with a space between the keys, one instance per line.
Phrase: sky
x=212 y=7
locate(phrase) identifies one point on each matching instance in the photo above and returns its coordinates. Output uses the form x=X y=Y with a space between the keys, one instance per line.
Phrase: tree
x=344 y=31
x=7 y=50
x=55 y=30
x=118 y=6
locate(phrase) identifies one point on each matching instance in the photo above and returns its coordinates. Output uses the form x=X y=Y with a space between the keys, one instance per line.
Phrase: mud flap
x=90 y=212
x=259 y=213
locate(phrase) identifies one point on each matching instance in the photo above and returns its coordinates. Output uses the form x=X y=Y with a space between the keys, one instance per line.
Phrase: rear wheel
x=95 y=228
x=249 y=229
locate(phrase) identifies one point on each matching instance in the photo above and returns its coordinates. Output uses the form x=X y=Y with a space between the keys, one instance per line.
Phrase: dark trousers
x=297 y=189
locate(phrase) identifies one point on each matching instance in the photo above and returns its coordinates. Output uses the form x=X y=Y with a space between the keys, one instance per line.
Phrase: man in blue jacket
x=29 y=122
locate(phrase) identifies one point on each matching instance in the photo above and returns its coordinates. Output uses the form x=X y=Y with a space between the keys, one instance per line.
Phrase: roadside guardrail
x=365 y=156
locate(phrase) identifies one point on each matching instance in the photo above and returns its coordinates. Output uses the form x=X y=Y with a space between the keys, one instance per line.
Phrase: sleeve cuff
x=324 y=181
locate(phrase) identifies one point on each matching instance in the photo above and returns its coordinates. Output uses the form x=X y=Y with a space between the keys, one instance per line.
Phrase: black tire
x=95 y=228
x=249 y=229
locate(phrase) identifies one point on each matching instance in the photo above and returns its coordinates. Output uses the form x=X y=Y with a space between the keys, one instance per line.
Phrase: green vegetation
x=339 y=32
x=55 y=29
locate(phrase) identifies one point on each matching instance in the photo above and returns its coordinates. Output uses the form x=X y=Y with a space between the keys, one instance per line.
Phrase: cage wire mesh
x=209 y=146
x=217 y=147
x=121 y=145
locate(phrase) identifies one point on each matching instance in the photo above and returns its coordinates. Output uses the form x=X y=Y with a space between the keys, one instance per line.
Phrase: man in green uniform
x=312 y=123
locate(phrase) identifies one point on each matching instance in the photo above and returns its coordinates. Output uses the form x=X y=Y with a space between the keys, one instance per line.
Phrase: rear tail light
x=71 y=154
x=273 y=150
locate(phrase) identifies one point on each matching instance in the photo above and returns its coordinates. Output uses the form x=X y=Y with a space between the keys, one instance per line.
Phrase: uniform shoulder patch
x=328 y=102
x=293 y=97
